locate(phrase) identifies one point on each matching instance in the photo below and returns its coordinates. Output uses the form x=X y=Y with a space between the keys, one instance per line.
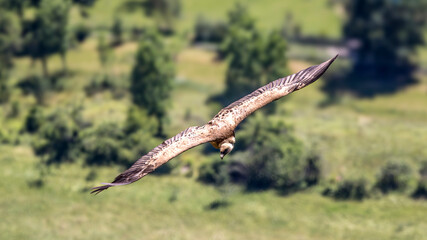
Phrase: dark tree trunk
x=160 y=132
x=44 y=66
x=64 y=62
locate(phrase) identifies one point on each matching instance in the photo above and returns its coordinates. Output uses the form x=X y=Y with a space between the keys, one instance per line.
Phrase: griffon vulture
x=220 y=130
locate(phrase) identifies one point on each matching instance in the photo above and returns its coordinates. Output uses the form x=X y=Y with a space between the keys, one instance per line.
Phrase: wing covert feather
x=242 y=108
x=189 y=138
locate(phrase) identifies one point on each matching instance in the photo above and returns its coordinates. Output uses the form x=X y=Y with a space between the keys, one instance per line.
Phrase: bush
x=36 y=86
x=213 y=172
x=59 y=140
x=34 y=120
x=421 y=190
x=209 y=31
x=312 y=170
x=103 y=145
x=106 y=82
x=4 y=92
x=81 y=32
x=394 y=176
x=351 y=189
x=117 y=32
x=99 y=83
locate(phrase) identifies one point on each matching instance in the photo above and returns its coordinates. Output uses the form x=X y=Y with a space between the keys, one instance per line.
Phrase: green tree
x=254 y=60
x=270 y=155
x=48 y=31
x=103 y=145
x=151 y=77
x=275 y=61
x=9 y=42
x=59 y=140
x=85 y=3
x=34 y=120
x=17 y=6
x=105 y=52
x=384 y=35
x=394 y=176
x=164 y=12
x=117 y=32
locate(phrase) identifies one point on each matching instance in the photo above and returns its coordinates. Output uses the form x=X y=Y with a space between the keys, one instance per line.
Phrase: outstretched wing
x=240 y=109
x=169 y=149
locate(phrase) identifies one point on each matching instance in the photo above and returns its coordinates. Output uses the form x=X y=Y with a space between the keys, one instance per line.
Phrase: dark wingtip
x=99 y=189
x=313 y=73
x=325 y=65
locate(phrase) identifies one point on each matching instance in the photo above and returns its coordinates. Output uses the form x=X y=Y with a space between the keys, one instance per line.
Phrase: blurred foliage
x=17 y=6
x=81 y=32
x=214 y=172
x=104 y=51
x=34 y=119
x=207 y=30
x=383 y=36
x=253 y=59
x=103 y=145
x=59 y=140
x=421 y=190
x=270 y=154
x=47 y=33
x=152 y=77
x=35 y=85
x=164 y=12
x=394 y=176
x=86 y=3
x=9 y=42
x=117 y=32
x=103 y=82
x=349 y=189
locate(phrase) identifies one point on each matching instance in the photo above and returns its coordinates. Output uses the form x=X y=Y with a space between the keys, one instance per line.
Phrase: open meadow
x=355 y=138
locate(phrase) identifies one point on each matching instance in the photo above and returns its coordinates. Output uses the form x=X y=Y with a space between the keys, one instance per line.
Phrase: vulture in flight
x=220 y=130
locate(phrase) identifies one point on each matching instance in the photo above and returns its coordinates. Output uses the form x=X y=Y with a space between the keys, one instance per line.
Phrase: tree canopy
x=48 y=31
x=383 y=35
x=152 y=77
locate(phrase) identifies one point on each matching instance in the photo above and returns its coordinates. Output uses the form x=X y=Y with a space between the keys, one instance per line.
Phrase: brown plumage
x=220 y=130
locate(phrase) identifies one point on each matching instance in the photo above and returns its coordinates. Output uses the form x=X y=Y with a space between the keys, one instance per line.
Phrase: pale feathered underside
x=228 y=118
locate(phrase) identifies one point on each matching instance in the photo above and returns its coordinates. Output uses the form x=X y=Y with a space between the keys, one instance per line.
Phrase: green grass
x=314 y=16
x=174 y=207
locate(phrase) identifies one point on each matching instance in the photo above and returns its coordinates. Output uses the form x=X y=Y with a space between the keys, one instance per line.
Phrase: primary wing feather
x=240 y=109
x=169 y=149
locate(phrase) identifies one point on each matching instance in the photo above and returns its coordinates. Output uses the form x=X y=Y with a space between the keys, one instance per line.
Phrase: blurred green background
x=88 y=86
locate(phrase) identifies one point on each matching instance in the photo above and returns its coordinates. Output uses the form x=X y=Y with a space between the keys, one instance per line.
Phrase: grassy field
x=176 y=208
x=355 y=138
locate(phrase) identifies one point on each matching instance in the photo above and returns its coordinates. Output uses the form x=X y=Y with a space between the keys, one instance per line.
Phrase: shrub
x=4 y=92
x=99 y=83
x=312 y=170
x=213 y=172
x=209 y=31
x=351 y=189
x=421 y=190
x=103 y=145
x=393 y=176
x=36 y=86
x=59 y=140
x=34 y=120
x=117 y=32
x=81 y=32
